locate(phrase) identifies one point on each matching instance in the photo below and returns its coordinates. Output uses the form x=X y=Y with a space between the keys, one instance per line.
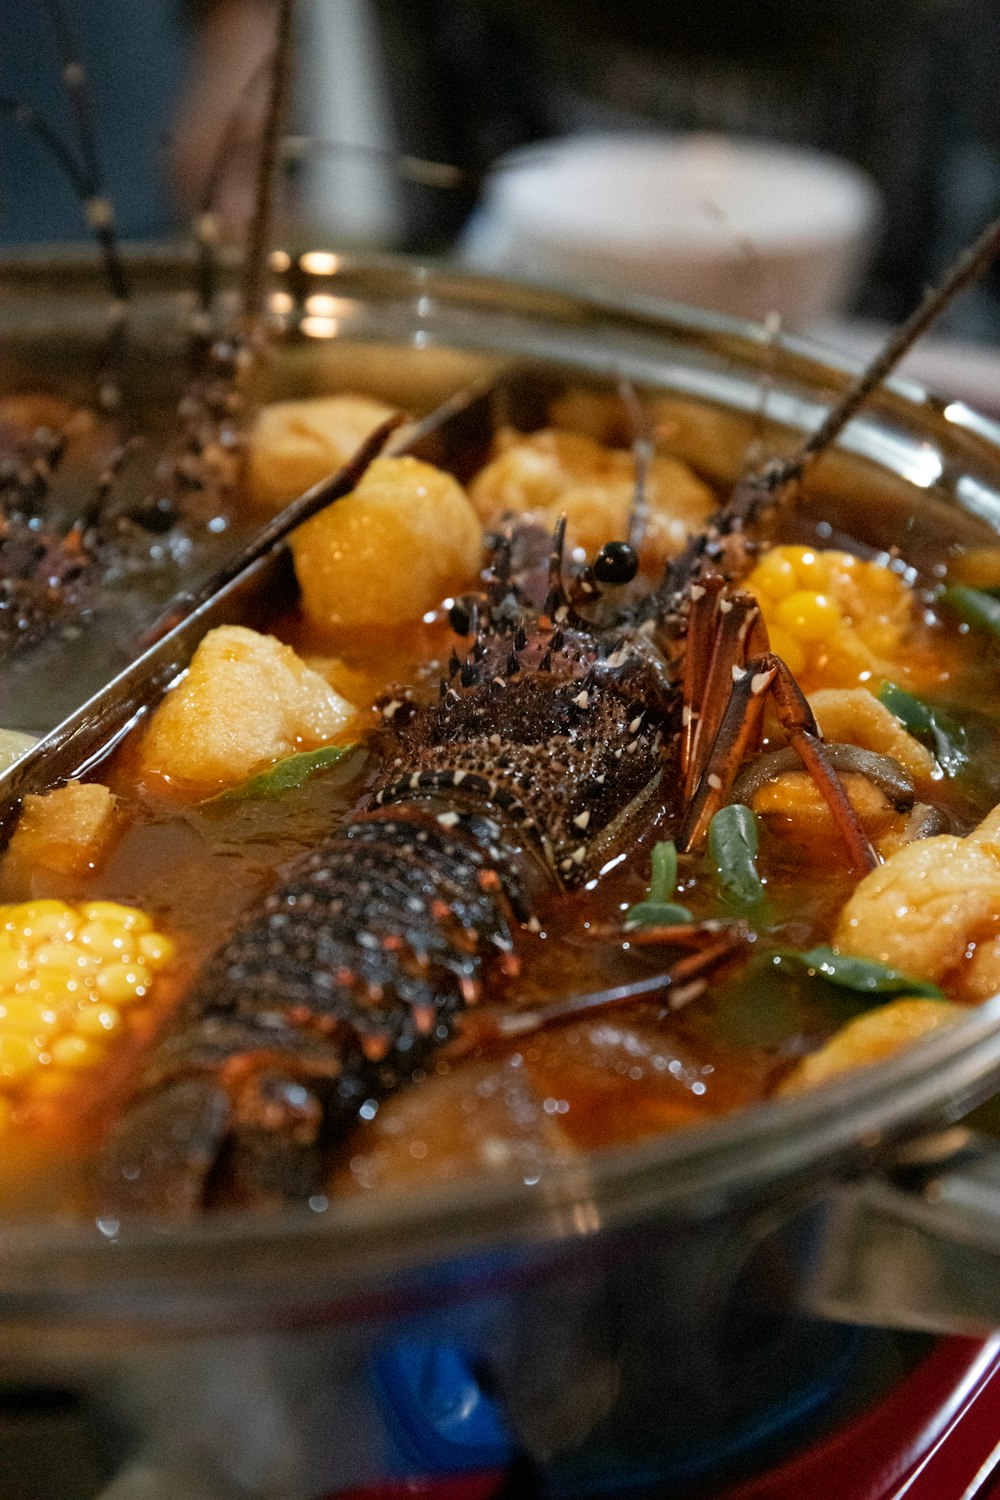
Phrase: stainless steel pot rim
x=773 y=1148
x=690 y=1173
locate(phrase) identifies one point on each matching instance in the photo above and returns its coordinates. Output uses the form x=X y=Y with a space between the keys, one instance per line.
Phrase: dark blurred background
x=909 y=90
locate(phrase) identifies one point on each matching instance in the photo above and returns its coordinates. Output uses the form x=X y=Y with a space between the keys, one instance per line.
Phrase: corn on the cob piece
x=68 y=975
x=839 y=622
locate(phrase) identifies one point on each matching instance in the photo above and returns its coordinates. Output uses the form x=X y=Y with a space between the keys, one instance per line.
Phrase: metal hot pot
x=642 y=1315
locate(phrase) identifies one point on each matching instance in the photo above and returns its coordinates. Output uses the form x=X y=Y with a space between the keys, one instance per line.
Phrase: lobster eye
x=460 y=617
x=616 y=563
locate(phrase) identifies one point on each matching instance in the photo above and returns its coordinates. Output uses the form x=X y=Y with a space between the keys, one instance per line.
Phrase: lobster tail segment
x=334 y=991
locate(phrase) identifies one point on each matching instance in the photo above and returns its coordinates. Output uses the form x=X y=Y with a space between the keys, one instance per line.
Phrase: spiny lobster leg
x=697 y=662
x=723 y=629
x=741 y=723
x=716 y=945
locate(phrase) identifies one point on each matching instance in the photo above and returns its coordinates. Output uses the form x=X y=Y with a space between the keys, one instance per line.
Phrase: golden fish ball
x=544 y=474
x=65 y=832
x=296 y=444
x=391 y=550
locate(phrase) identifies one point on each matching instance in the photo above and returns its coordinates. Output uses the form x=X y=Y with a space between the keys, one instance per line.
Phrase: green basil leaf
x=286 y=775
x=732 y=843
x=911 y=712
x=657 y=914
x=974 y=606
x=864 y=975
x=947 y=739
x=663 y=876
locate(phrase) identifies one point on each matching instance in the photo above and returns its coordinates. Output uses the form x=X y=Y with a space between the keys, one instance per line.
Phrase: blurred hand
x=223 y=98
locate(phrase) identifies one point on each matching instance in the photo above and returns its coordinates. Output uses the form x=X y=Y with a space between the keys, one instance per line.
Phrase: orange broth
x=608 y=1080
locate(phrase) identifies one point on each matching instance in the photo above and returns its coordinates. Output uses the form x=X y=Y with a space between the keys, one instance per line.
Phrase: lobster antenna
x=97 y=205
x=267 y=163
x=556 y=599
x=967 y=268
x=761 y=487
x=642 y=452
x=35 y=123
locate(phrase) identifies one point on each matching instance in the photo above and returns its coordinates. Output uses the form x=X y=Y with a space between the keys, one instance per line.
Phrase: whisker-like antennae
x=267 y=163
x=968 y=267
x=642 y=453
x=96 y=510
x=96 y=203
x=74 y=79
x=35 y=123
x=557 y=597
x=762 y=487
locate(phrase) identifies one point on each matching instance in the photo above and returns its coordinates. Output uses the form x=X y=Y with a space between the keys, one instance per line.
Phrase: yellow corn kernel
x=809 y=616
x=31 y=1014
x=32 y=987
x=788 y=648
x=18 y=1057
x=76 y=1052
x=62 y=958
x=156 y=950
x=121 y=983
x=36 y=921
x=14 y=966
x=811 y=568
x=107 y=940
x=54 y=1007
x=53 y=926
x=97 y=1020
x=129 y=917
x=775 y=574
x=64 y=973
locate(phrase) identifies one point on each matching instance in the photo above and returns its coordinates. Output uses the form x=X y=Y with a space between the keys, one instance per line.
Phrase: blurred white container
x=740 y=227
x=350 y=197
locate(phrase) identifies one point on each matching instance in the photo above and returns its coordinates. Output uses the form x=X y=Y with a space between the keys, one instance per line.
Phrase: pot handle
x=919 y=1249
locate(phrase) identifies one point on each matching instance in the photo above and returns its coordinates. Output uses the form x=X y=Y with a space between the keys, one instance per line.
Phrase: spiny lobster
x=551 y=737
x=57 y=548
x=563 y=726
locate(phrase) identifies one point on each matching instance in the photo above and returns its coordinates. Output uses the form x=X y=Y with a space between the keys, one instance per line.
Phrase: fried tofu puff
x=246 y=701
x=933 y=910
x=551 y=472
